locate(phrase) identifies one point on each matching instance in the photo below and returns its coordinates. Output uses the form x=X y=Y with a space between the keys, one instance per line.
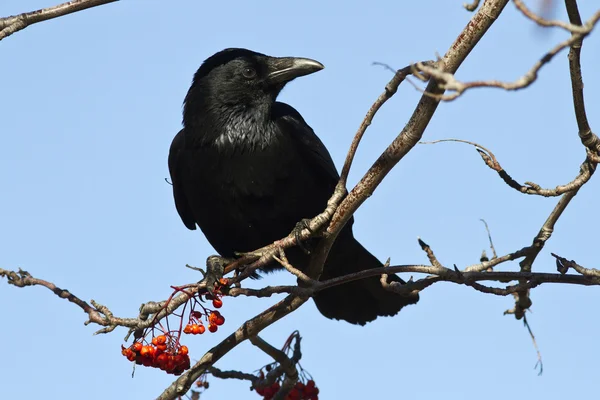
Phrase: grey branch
x=446 y=80
x=15 y=23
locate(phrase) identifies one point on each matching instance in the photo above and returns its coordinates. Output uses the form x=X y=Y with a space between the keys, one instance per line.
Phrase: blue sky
x=91 y=101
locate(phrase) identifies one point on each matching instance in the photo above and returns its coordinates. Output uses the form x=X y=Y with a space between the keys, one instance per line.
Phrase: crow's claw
x=300 y=226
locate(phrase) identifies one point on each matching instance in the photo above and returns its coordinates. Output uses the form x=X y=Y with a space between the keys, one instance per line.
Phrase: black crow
x=246 y=169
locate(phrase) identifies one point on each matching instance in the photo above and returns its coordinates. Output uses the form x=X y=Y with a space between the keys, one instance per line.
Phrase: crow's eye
x=249 y=72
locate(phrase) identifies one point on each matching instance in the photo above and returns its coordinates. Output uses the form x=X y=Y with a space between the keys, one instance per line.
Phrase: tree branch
x=15 y=23
x=586 y=170
x=446 y=80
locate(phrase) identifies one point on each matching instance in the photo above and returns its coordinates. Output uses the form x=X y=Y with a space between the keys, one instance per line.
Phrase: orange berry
x=137 y=346
x=217 y=303
x=220 y=320
x=187 y=329
x=161 y=347
x=131 y=356
x=201 y=329
x=212 y=317
x=224 y=281
x=183 y=350
x=145 y=351
x=162 y=339
x=212 y=328
x=154 y=341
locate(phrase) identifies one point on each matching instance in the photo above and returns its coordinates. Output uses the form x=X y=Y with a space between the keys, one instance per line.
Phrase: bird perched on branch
x=246 y=169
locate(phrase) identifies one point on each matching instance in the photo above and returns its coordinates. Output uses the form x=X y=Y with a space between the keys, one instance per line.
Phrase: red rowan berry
x=161 y=339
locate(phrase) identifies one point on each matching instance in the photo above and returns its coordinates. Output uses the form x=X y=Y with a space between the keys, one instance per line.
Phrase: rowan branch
x=489 y=234
x=286 y=366
x=217 y=373
x=586 y=171
x=15 y=23
x=250 y=328
x=472 y=6
x=446 y=81
x=390 y=90
x=563 y=265
x=571 y=27
x=588 y=138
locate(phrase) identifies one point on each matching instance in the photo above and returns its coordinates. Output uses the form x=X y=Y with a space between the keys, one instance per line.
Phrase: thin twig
x=539 y=362
x=446 y=80
x=15 y=23
x=586 y=171
x=563 y=266
x=573 y=28
x=217 y=373
x=487 y=228
x=472 y=6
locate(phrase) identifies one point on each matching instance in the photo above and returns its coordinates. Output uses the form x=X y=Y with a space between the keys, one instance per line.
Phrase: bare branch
x=573 y=28
x=588 y=138
x=248 y=329
x=294 y=271
x=487 y=229
x=537 y=349
x=217 y=373
x=15 y=23
x=586 y=171
x=471 y=6
x=390 y=89
x=414 y=129
x=430 y=255
x=563 y=266
x=447 y=81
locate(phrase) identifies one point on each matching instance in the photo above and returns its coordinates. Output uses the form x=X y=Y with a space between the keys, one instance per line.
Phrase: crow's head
x=241 y=78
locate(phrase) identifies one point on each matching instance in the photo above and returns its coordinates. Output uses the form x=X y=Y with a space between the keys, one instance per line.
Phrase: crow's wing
x=307 y=142
x=176 y=163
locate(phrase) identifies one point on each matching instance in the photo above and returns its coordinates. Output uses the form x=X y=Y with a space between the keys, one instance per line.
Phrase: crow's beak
x=284 y=69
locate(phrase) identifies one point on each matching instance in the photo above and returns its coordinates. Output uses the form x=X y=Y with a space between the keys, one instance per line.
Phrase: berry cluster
x=196 y=327
x=269 y=391
x=301 y=391
x=162 y=353
x=304 y=389
x=212 y=317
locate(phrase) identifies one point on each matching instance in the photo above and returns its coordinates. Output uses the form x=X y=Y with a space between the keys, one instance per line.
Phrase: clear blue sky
x=91 y=101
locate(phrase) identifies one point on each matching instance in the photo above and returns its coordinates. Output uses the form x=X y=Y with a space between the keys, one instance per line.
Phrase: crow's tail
x=360 y=301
